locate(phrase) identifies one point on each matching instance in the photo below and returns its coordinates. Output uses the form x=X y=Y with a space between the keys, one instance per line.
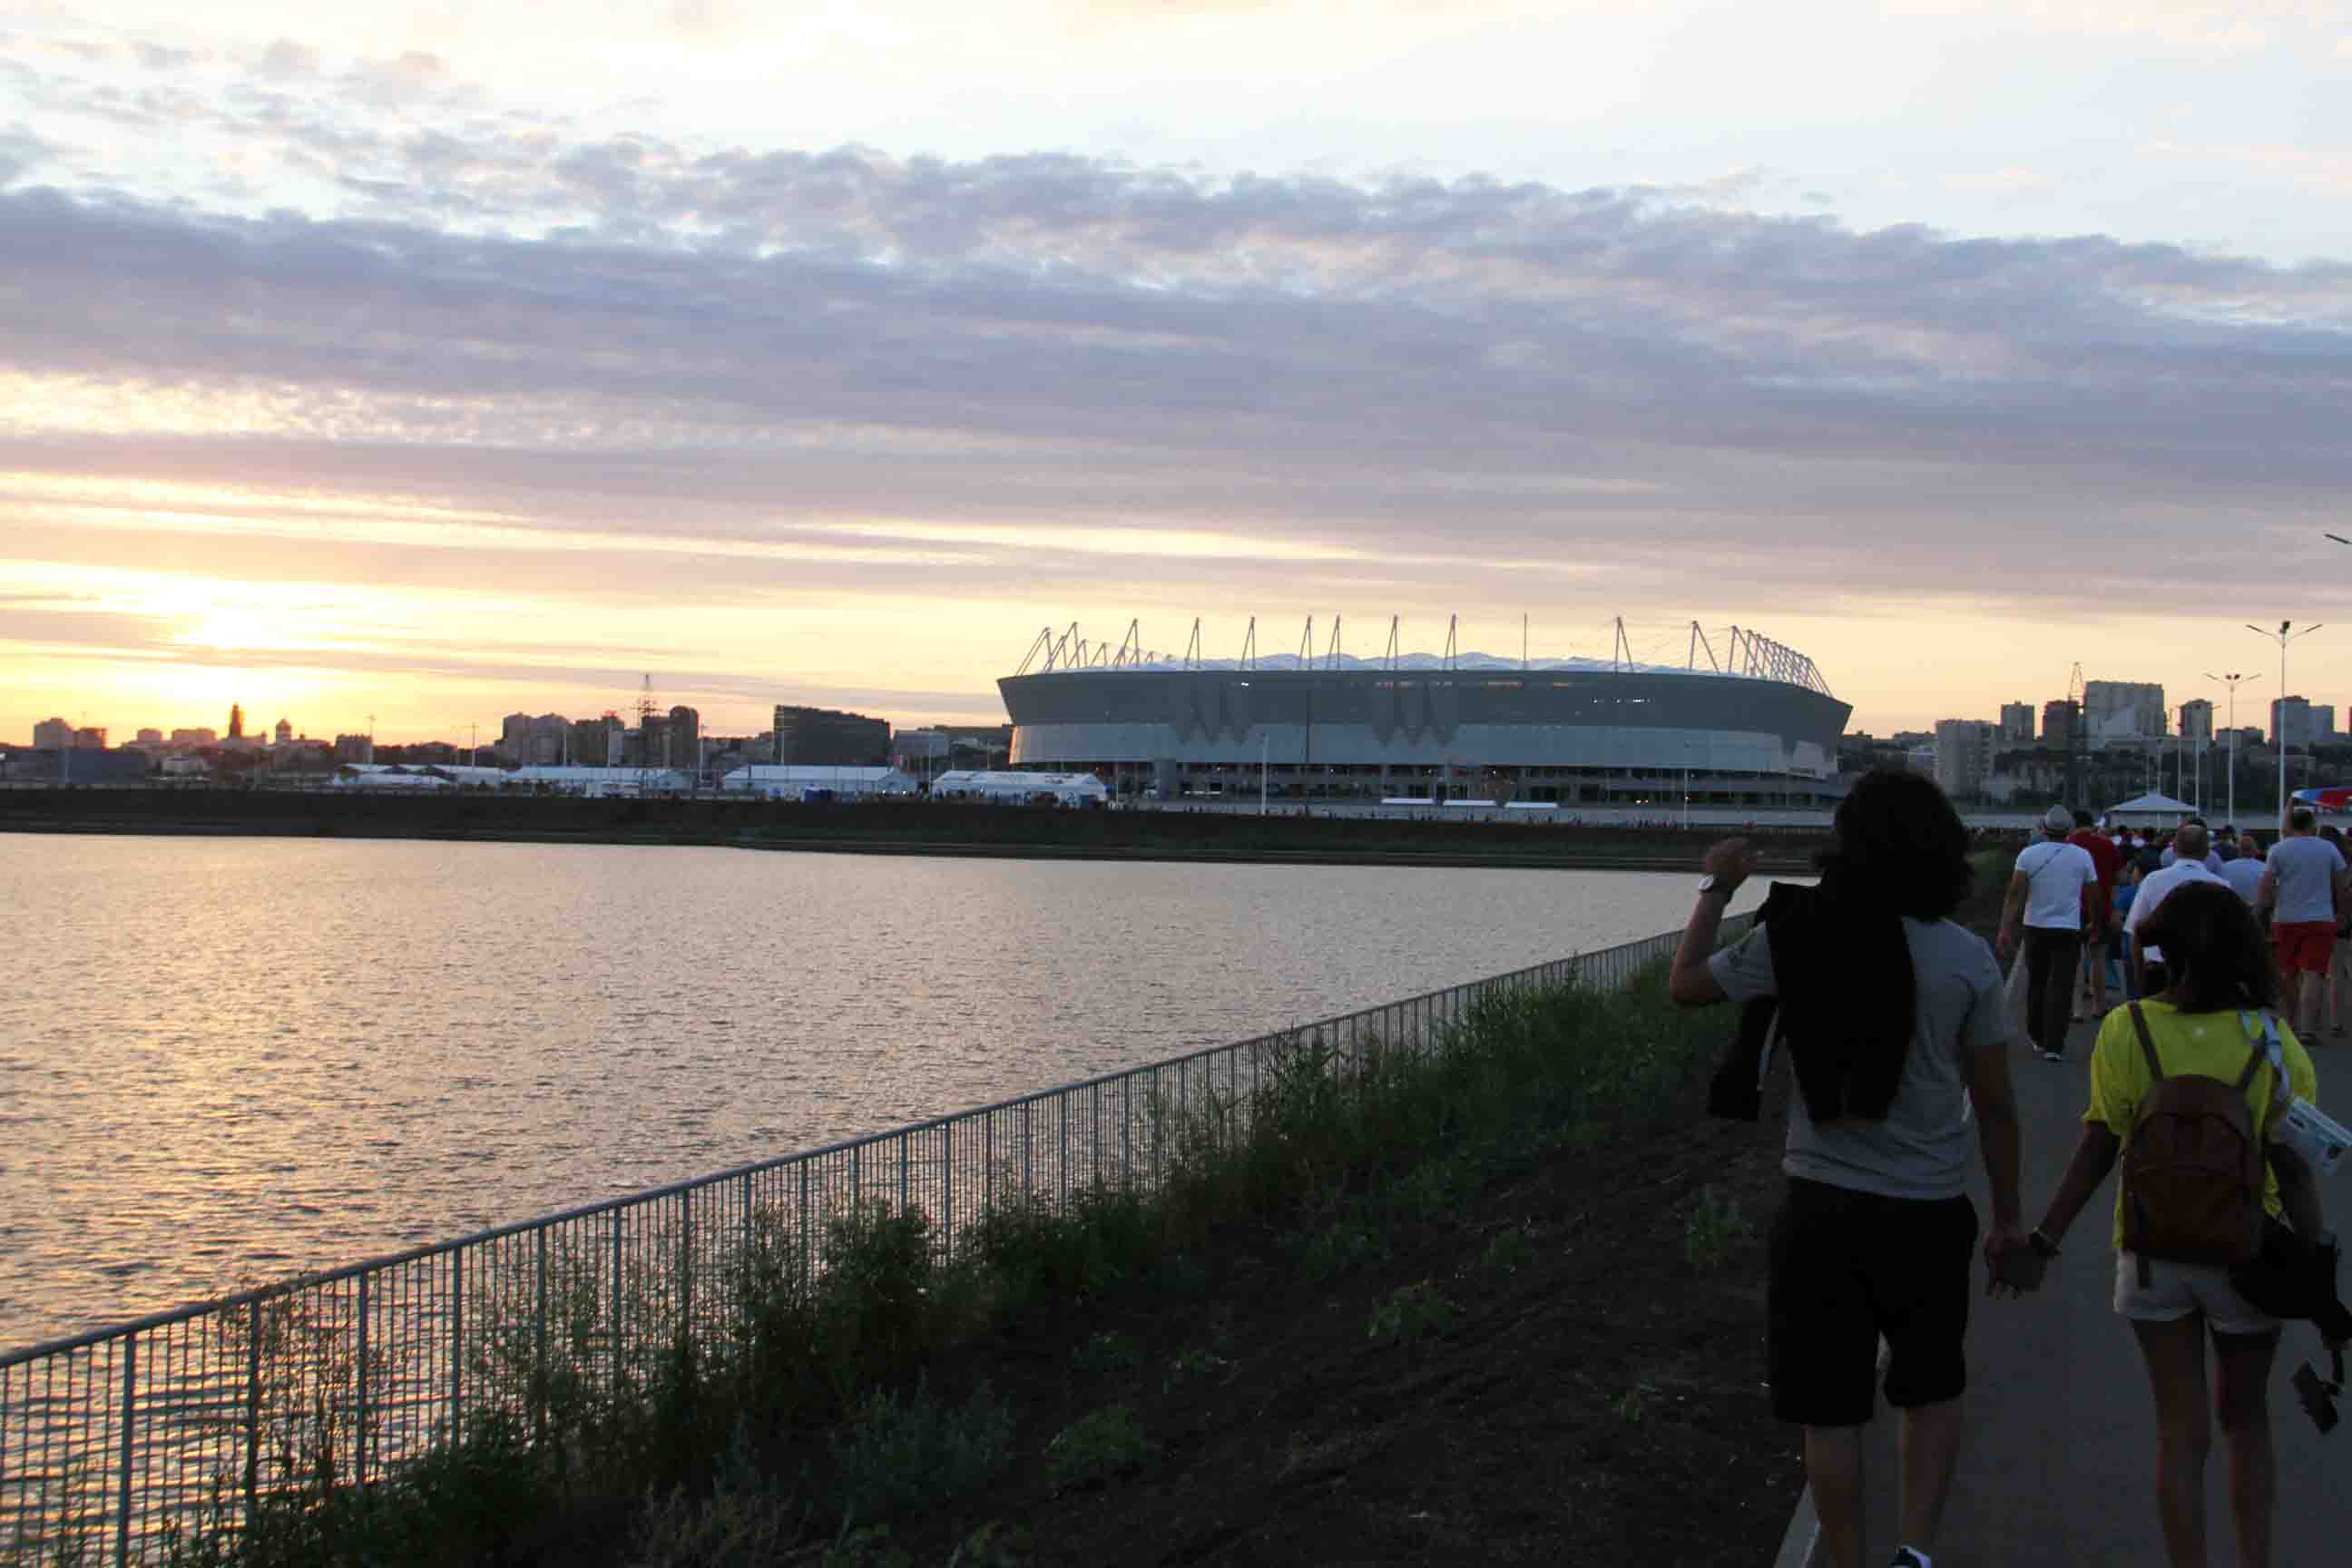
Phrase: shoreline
x=928 y=847
x=945 y=830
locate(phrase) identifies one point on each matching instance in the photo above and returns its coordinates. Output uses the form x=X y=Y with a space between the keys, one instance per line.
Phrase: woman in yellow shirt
x=2220 y=973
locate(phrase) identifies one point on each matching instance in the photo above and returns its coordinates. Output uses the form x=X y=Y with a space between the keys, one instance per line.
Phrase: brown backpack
x=2194 y=1171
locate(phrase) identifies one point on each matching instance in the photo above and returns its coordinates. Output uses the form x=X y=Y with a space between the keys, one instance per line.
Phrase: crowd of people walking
x=1899 y=1023
x=2080 y=896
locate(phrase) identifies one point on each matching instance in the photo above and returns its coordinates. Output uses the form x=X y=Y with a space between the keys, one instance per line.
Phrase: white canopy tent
x=2148 y=810
x=598 y=783
x=1020 y=788
x=804 y=781
x=388 y=776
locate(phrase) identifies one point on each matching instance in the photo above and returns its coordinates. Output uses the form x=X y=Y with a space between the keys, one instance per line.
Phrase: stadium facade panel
x=1560 y=735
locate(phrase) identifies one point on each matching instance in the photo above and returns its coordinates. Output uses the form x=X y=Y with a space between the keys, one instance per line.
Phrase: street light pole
x=2231 y=680
x=2286 y=635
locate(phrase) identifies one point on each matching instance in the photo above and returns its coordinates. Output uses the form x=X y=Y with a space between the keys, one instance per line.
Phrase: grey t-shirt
x=2305 y=868
x=1921 y=1150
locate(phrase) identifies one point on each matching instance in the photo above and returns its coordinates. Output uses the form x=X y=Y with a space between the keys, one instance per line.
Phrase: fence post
x=253 y=1411
x=540 y=1376
x=617 y=1298
x=808 y=1239
x=456 y=1345
x=360 y=1416
x=947 y=1191
x=743 y=1269
x=130 y=1413
x=1062 y=1103
x=685 y=1264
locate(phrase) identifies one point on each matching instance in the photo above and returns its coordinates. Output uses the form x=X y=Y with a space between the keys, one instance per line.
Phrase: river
x=225 y=1061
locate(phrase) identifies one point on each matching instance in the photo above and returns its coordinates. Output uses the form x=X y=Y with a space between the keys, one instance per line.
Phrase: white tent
x=807 y=781
x=598 y=783
x=387 y=776
x=1020 y=788
x=2145 y=810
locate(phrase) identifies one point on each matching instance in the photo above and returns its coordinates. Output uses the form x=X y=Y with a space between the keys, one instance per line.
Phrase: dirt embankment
x=1592 y=1390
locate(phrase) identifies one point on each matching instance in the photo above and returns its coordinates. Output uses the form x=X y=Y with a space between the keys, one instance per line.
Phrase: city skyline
x=434 y=364
x=2012 y=719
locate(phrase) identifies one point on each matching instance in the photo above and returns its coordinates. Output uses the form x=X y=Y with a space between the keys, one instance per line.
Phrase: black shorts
x=1848 y=1267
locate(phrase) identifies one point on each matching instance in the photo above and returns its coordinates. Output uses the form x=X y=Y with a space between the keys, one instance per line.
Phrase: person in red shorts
x=2303 y=883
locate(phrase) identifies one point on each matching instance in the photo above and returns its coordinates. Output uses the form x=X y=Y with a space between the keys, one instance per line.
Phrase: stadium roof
x=1748 y=655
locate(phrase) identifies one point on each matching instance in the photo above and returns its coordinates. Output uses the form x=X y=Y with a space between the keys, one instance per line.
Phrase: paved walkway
x=2061 y=1447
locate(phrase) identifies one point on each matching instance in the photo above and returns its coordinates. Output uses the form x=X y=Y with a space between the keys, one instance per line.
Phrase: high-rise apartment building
x=597 y=743
x=1963 y=755
x=193 y=737
x=684 y=739
x=2197 y=719
x=2017 y=721
x=91 y=737
x=149 y=739
x=827 y=737
x=53 y=735
x=2291 y=722
x=2322 y=724
x=648 y=744
x=2123 y=709
x=534 y=741
x=354 y=748
x=2059 y=719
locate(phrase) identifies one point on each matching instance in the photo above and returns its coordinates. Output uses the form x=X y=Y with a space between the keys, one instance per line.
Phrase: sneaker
x=2047 y=1056
x=1906 y=1558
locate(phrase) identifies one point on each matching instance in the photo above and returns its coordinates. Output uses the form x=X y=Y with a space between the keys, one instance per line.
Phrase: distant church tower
x=236 y=722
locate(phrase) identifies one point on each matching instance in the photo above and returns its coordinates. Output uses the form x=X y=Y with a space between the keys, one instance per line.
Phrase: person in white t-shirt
x=2303 y=886
x=2192 y=846
x=2045 y=892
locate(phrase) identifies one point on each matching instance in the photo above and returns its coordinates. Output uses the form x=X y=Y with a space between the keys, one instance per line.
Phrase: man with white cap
x=2045 y=892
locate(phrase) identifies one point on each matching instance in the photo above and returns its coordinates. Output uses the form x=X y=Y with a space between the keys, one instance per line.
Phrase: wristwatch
x=2041 y=1243
x=1708 y=883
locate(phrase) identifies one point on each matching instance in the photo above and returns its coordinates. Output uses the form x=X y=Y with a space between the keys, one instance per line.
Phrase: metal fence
x=111 y=1440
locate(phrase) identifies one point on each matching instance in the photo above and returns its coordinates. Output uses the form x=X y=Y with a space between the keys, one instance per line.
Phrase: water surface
x=223 y=1061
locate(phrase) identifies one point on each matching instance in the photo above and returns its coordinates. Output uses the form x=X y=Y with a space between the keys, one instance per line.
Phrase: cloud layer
x=592 y=372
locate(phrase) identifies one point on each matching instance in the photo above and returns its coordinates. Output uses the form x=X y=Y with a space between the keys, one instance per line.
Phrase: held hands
x=2014 y=1266
x=1731 y=862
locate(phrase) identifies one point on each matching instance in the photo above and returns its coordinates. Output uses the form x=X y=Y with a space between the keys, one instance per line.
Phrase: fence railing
x=187 y=1419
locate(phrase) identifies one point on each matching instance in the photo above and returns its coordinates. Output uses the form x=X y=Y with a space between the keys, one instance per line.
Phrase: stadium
x=1757 y=728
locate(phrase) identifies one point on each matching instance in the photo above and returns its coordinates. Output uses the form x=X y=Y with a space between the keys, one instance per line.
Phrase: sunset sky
x=433 y=362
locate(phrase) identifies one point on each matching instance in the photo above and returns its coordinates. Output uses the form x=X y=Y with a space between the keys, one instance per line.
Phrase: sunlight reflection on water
x=227 y=1059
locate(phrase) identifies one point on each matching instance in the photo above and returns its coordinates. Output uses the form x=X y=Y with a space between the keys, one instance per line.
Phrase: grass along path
x=1500 y=1302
